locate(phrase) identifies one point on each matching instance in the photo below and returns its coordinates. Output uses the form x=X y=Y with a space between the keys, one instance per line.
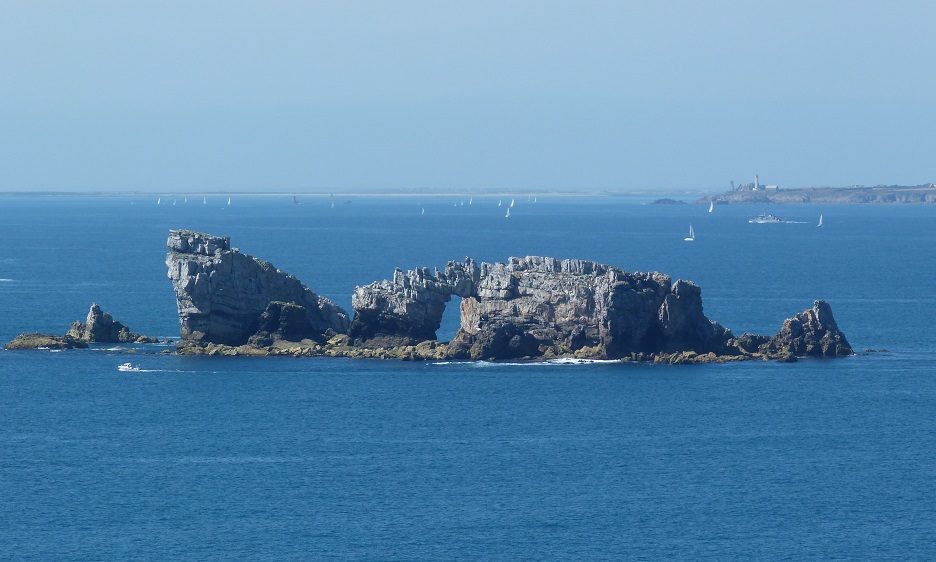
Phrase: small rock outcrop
x=100 y=327
x=811 y=333
x=44 y=341
x=224 y=296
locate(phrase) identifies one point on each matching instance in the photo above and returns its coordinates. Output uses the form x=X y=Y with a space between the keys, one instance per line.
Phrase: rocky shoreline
x=526 y=309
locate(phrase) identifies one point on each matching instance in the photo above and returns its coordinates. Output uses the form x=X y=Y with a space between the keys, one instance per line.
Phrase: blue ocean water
x=332 y=458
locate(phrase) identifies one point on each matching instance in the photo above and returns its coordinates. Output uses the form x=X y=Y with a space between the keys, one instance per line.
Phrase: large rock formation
x=222 y=294
x=543 y=307
x=537 y=306
x=533 y=307
x=100 y=327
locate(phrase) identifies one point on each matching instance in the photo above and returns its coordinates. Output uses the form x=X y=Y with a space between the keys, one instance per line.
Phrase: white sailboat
x=512 y=201
x=500 y=202
x=159 y=200
x=507 y=216
x=185 y=201
x=820 y=221
x=204 y=200
x=691 y=237
x=229 y=200
x=534 y=199
x=711 y=206
x=423 y=212
x=470 y=200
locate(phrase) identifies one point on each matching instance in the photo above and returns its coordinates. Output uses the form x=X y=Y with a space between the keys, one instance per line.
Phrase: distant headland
x=756 y=192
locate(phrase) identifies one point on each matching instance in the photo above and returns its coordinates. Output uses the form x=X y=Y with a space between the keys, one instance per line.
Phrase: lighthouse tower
x=756 y=182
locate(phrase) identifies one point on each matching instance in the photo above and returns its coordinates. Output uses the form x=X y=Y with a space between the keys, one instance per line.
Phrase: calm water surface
x=330 y=458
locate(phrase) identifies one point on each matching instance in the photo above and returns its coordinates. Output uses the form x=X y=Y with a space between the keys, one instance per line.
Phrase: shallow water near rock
x=281 y=458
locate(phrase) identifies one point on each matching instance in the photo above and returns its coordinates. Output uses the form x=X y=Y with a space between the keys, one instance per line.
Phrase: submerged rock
x=100 y=327
x=222 y=294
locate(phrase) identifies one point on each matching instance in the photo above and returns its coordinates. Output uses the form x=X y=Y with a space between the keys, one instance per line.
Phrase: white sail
x=711 y=206
x=204 y=200
x=229 y=200
x=470 y=200
x=512 y=201
x=185 y=201
x=159 y=200
x=500 y=202
x=691 y=236
x=507 y=216
x=423 y=212
x=820 y=220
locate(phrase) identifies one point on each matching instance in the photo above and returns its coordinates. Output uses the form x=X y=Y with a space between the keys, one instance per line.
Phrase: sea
x=324 y=458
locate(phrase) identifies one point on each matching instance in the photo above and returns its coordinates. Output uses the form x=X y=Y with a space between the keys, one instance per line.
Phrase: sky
x=275 y=95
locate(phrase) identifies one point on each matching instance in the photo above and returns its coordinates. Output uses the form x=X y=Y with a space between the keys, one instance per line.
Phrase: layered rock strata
x=223 y=295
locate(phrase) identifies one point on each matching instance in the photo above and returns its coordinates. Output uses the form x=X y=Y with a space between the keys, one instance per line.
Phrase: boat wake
x=547 y=363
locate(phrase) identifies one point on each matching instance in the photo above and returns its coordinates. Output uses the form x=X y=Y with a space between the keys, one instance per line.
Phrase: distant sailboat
x=512 y=201
x=711 y=206
x=185 y=201
x=534 y=199
x=470 y=200
x=500 y=202
x=229 y=200
x=204 y=200
x=423 y=212
x=820 y=220
x=507 y=216
x=159 y=200
x=173 y=202
x=691 y=237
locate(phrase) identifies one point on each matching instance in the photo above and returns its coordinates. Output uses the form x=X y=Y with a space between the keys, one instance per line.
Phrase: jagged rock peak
x=813 y=332
x=222 y=293
x=191 y=242
x=100 y=327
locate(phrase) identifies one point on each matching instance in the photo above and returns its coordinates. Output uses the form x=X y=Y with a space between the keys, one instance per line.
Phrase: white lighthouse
x=756 y=182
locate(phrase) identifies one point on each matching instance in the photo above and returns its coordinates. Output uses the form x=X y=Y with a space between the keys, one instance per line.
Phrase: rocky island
x=530 y=308
x=98 y=327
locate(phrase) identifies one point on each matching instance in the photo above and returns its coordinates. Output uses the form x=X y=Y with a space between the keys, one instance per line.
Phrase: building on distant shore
x=756 y=186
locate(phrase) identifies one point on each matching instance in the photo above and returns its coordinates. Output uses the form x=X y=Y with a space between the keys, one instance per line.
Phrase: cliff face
x=222 y=293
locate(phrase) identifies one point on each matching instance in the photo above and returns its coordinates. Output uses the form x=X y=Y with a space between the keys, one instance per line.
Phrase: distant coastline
x=890 y=194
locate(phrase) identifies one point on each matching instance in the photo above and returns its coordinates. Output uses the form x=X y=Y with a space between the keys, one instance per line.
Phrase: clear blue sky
x=344 y=95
